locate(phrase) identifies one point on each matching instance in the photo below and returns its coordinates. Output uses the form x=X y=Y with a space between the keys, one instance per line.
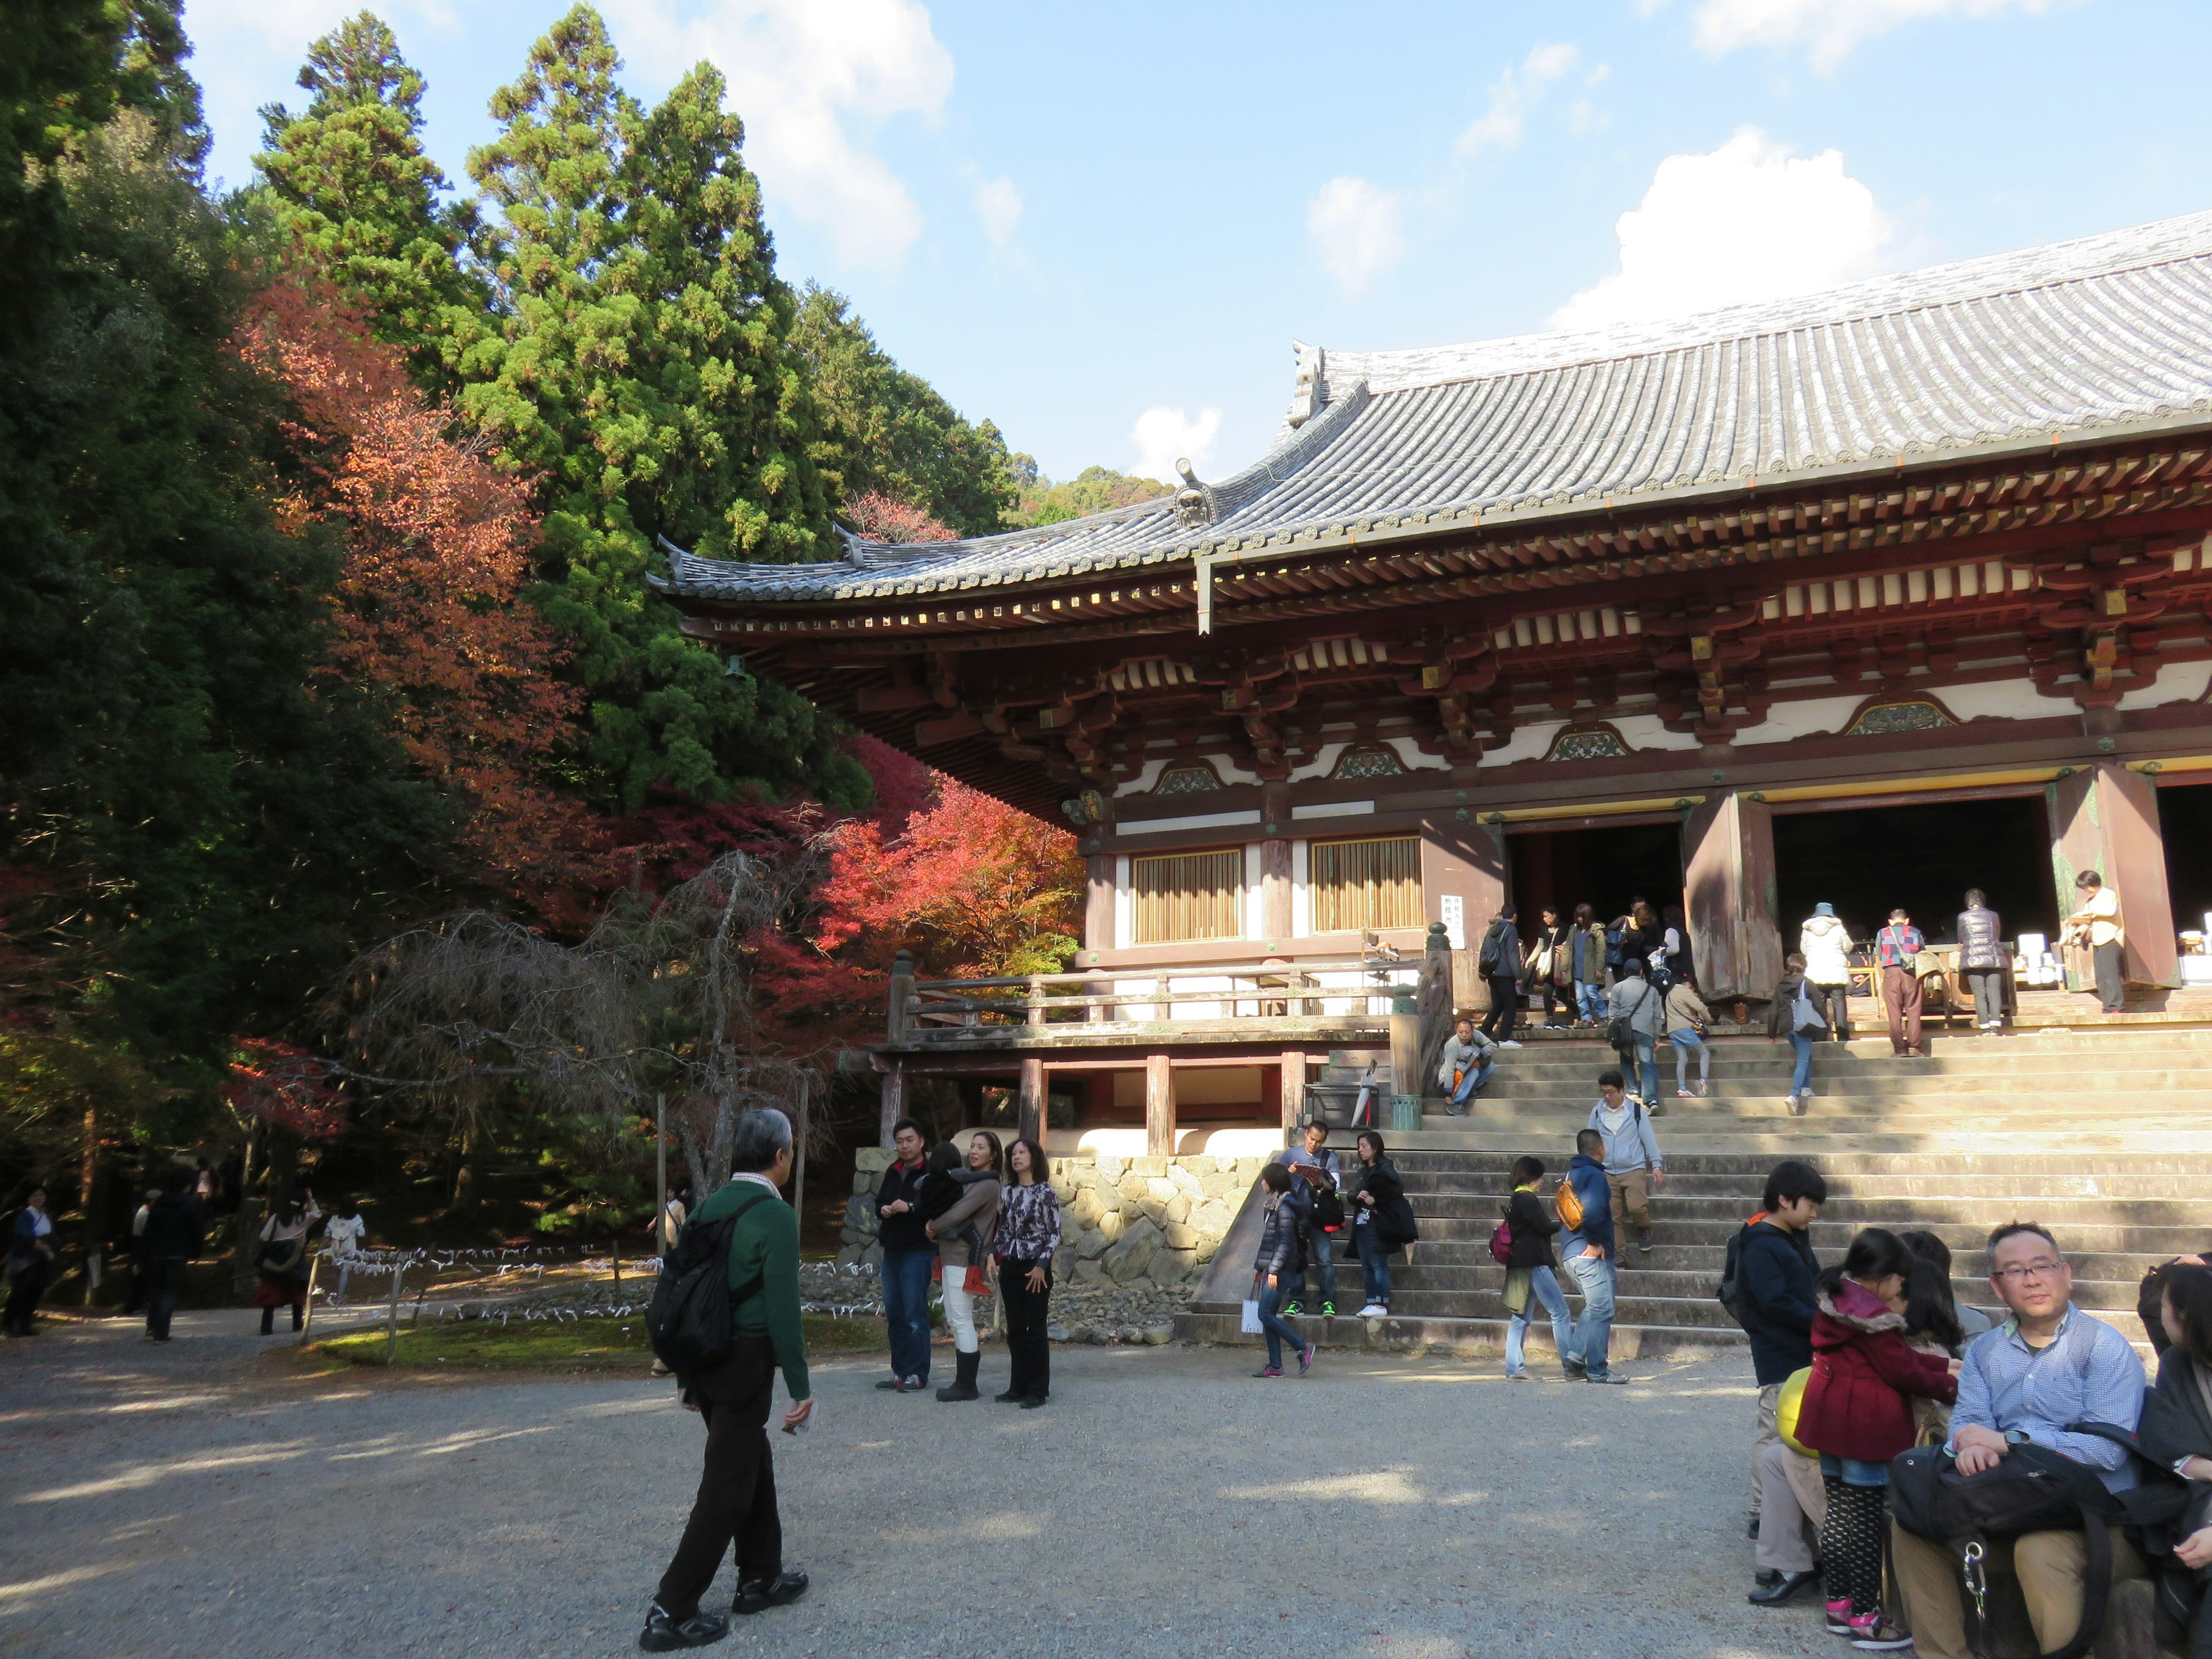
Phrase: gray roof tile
x=2068 y=338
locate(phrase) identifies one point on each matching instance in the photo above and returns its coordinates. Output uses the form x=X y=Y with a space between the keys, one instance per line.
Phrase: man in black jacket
x=1777 y=1267
x=1499 y=963
x=175 y=1230
x=908 y=1252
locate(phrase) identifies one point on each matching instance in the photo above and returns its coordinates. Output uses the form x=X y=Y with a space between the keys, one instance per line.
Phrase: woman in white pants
x=963 y=1235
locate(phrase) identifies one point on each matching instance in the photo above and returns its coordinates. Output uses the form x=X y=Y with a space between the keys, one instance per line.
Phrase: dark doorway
x=2184 y=823
x=1867 y=860
x=1603 y=868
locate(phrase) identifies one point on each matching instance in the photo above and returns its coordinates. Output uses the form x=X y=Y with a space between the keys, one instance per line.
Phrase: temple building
x=1866 y=596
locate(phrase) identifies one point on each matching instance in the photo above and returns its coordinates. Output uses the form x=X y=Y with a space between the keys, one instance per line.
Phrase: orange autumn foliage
x=430 y=614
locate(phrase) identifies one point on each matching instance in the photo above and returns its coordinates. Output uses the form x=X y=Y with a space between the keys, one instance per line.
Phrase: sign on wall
x=1454 y=918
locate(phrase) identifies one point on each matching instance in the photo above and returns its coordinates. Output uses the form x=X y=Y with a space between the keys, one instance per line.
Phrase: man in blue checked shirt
x=2049 y=1367
x=1895 y=948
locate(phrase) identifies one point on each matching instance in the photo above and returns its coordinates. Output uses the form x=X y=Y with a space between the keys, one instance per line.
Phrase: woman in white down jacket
x=1825 y=944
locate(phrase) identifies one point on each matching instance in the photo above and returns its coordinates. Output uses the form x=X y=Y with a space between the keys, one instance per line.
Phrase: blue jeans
x=1803 y=1078
x=1852 y=1473
x=1593 y=1333
x=1683 y=1041
x=1279 y=1330
x=1590 y=1000
x=1320 y=1265
x=906 y=1310
x=1645 y=1068
x=1374 y=1263
x=1471 y=1081
x=1544 y=1287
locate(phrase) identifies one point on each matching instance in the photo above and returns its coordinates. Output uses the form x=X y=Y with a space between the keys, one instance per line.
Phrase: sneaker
x=1305 y=1359
x=888 y=1382
x=1684 y=1094
x=1613 y=1377
x=1575 y=1370
x=1508 y=1043
x=663 y=1634
x=1839 y=1617
x=1704 y=1090
x=1870 y=1632
x=1374 y=1310
x=1328 y=1310
x=1643 y=1244
x=1268 y=1370
x=913 y=1384
x=758 y=1594
x=1517 y=1377
x=1292 y=1310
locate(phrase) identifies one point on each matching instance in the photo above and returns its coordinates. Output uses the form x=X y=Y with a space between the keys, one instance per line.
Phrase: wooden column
x=1098 y=902
x=893 y=1106
x=1728 y=894
x=1033 y=1098
x=1160 y=1107
x=1294 y=1091
x=2104 y=818
x=1275 y=919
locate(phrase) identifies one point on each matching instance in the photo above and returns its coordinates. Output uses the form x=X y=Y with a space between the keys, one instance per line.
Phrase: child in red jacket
x=1857 y=1414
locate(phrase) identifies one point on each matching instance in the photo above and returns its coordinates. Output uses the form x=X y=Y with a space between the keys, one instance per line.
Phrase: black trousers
x=737 y=1487
x=1835 y=1002
x=1026 y=1318
x=1505 y=1006
x=24 y=1290
x=165 y=1277
x=2111 y=990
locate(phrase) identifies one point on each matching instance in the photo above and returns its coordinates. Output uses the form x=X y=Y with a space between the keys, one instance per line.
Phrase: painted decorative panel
x=1194 y=780
x=1886 y=719
x=1581 y=743
x=1369 y=761
x=1189 y=896
x=1359 y=884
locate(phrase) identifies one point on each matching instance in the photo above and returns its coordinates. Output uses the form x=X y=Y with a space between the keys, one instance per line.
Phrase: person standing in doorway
x=1531 y=1270
x=2096 y=922
x=176 y=1228
x=1499 y=963
x=1588 y=1243
x=1588 y=967
x=1465 y=1066
x=1028 y=1239
x=1548 y=967
x=1825 y=944
x=1982 y=959
x=1633 y=1166
x=30 y=1263
x=907 y=1253
x=1794 y=1012
x=1897 y=948
x=1685 y=1021
x=1640 y=1009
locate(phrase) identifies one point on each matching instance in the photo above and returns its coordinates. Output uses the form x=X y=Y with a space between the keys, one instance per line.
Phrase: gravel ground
x=200 y=1498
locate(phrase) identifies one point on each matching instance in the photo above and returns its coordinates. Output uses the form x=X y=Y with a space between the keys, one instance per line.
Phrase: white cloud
x=1163 y=436
x=1828 y=29
x=999 y=204
x=811 y=78
x=1358 y=229
x=1513 y=95
x=1749 y=222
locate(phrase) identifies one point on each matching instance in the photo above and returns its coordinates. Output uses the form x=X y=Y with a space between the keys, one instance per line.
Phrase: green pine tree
x=892 y=431
x=354 y=188
x=644 y=369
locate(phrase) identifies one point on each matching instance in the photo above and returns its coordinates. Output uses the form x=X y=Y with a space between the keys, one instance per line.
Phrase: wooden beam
x=1293 y=1072
x=1159 y=1106
x=1033 y=1098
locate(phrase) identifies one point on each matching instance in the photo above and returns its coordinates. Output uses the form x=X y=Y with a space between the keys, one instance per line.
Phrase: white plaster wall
x=2006 y=699
x=2177 y=681
x=1527 y=743
x=1407 y=751
x=1148 y=775
x=1125 y=899
x=1650 y=731
x=1301 y=890
x=1810 y=717
x=1255 y=909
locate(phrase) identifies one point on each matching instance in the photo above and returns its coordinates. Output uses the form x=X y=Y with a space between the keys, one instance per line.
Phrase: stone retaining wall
x=1121 y=1219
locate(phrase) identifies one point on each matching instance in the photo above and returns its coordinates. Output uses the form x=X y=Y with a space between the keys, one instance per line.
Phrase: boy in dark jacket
x=1777 y=1269
x=1585 y=1250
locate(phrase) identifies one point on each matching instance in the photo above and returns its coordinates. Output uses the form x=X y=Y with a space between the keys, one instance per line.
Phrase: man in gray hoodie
x=1633 y=1166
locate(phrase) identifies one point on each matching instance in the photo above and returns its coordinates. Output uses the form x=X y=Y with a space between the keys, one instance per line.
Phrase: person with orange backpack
x=1586 y=1211
x=1521 y=1243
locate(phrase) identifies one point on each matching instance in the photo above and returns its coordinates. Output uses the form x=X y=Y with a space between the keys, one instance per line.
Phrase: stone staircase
x=2104 y=1136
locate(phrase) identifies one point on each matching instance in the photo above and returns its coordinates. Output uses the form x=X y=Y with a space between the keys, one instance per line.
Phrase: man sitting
x=1468 y=1058
x=2049 y=1365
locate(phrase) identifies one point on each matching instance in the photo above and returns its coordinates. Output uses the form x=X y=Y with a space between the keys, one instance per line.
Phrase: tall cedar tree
x=437 y=550
x=891 y=433
x=353 y=187
x=644 y=369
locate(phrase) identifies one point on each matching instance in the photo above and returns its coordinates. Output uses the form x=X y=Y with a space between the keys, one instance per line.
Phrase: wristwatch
x=2016 y=1437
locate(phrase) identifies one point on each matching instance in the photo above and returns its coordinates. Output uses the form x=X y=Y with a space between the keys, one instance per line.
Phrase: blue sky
x=1103 y=227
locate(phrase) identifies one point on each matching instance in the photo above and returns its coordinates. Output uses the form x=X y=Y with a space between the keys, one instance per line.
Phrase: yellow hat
x=1787 y=1405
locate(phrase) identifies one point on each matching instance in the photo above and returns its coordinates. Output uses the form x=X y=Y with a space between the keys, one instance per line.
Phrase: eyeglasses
x=2021 y=1272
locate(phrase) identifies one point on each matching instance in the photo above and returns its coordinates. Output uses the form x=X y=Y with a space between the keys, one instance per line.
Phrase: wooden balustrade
x=1252 y=993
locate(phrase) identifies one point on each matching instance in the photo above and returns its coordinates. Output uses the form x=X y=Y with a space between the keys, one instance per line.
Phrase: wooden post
x=1727 y=893
x=1294 y=1091
x=391 y=1315
x=898 y=1015
x=894 y=1107
x=307 y=1323
x=1160 y=1107
x=2104 y=818
x=1033 y=1098
x=1405 y=1060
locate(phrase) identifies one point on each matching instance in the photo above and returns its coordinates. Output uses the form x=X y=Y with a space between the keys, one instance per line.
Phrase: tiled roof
x=2075 y=338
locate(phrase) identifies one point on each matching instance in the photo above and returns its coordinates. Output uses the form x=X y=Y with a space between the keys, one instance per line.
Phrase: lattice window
x=1580 y=743
x=1189 y=896
x=1366 y=884
x=1370 y=760
x=1885 y=719
x=1196 y=779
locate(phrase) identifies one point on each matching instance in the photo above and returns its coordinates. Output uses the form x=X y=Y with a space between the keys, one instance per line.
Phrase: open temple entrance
x=2184 y=819
x=1603 y=867
x=1865 y=860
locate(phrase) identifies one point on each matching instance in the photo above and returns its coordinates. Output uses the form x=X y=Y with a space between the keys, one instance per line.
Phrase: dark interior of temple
x=1604 y=868
x=2184 y=819
x=1865 y=859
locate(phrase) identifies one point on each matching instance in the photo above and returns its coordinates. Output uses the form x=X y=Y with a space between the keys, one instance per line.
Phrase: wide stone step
x=2061 y=1215
x=1666 y=1255
x=1747 y=1185
x=2116 y=1296
x=1463 y=1337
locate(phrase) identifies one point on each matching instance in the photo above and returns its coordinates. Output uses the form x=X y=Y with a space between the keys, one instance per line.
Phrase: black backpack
x=1486 y=963
x=689 y=1323
x=1731 y=1293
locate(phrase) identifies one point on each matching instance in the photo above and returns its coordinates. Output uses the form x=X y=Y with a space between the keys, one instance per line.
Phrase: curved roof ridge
x=2162 y=241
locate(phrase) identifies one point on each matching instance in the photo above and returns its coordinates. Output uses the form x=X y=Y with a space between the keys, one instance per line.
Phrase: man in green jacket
x=737 y=1492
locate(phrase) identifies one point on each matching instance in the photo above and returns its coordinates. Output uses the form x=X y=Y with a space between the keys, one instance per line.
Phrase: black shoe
x=1010 y=1398
x=663 y=1634
x=1785 y=1585
x=1767 y=1576
x=1610 y=1377
x=1034 y=1402
x=759 y=1594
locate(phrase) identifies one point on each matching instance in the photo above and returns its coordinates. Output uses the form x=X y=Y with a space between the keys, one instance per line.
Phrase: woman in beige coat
x=963 y=1235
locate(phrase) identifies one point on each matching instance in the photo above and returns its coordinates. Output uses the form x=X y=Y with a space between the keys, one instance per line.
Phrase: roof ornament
x=1193 y=503
x=1306 y=400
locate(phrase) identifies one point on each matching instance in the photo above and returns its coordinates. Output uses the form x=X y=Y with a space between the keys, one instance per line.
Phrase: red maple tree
x=880 y=518
x=430 y=614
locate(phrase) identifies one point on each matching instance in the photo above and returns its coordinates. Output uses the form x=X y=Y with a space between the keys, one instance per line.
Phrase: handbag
x=1249 y=1324
x=1804 y=1018
x=279 y=1256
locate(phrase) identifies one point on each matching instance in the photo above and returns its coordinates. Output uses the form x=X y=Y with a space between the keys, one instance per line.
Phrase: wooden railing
x=1240 y=992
